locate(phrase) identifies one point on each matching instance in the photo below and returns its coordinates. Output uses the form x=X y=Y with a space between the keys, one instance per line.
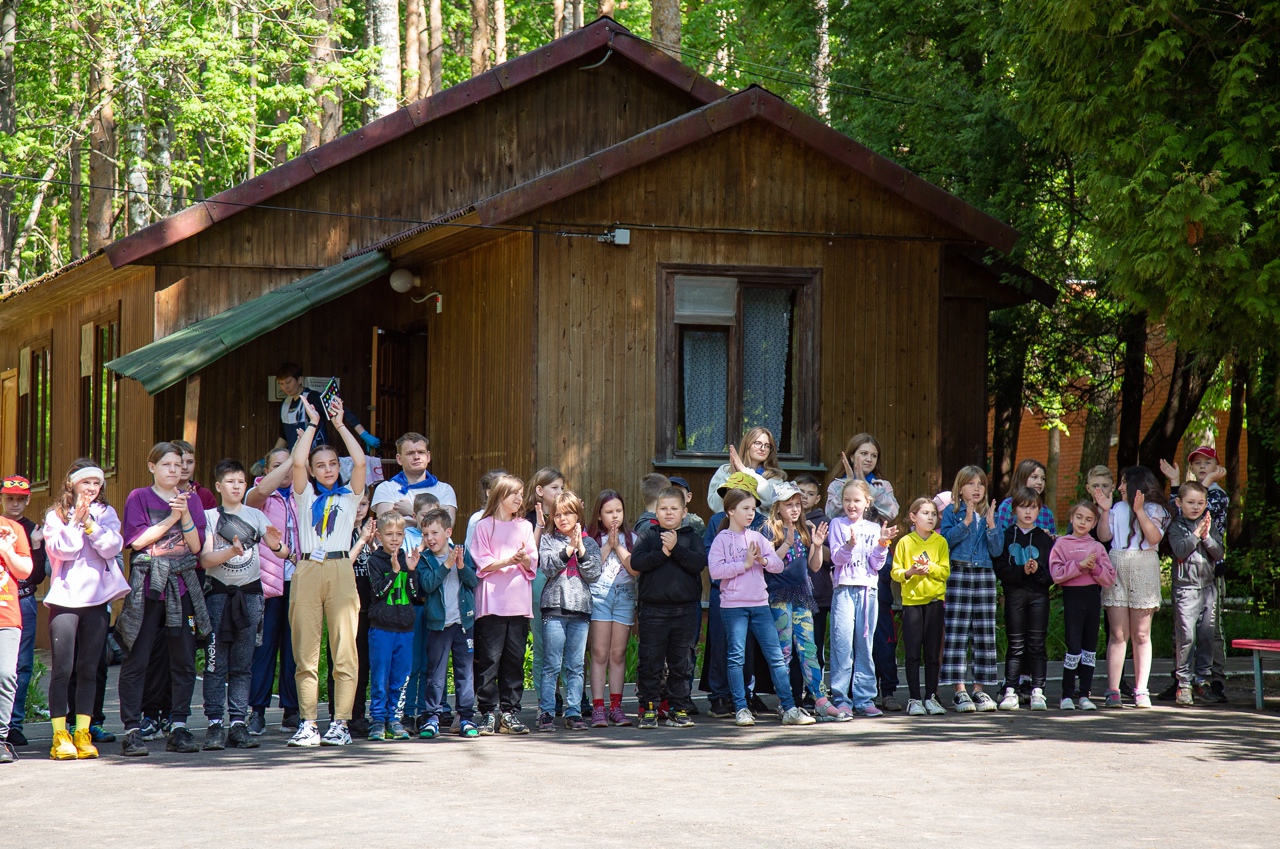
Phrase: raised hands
x=735 y=461
x=887 y=532
x=1139 y=501
x=273 y=537
x=1170 y=471
x=411 y=559
x=336 y=410
x=542 y=516
x=82 y=508
x=848 y=469
x=1103 y=497
x=818 y=534
x=178 y=507
x=313 y=415
x=1203 y=526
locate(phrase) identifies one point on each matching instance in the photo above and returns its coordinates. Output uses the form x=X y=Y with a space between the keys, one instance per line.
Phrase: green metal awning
x=179 y=355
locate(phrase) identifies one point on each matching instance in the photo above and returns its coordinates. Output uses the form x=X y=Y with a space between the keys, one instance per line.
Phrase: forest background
x=1134 y=145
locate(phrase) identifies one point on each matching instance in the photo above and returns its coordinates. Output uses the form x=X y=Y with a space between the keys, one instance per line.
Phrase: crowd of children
x=802 y=595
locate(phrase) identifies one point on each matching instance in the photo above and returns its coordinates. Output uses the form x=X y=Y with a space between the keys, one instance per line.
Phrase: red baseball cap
x=16 y=485
x=1206 y=451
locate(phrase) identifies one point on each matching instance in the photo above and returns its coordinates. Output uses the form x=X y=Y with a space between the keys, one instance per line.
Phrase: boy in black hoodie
x=669 y=559
x=1022 y=565
x=393 y=584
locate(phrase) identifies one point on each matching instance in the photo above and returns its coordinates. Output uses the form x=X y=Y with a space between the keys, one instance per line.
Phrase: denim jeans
x=415 y=692
x=564 y=645
x=390 y=656
x=716 y=657
x=854 y=611
x=228 y=666
x=759 y=621
x=441 y=645
x=26 y=659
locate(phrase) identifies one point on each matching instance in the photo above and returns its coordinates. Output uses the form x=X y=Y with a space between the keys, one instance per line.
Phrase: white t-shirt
x=1125 y=539
x=337 y=521
x=471 y=527
x=388 y=494
x=245 y=569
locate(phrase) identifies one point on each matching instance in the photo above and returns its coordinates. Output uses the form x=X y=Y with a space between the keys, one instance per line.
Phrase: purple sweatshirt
x=858 y=565
x=82 y=567
x=741 y=586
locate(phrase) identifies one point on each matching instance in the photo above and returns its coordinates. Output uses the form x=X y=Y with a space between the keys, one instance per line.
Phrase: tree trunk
x=1095 y=445
x=33 y=215
x=1051 y=465
x=607 y=8
x=1133 y=388
x=414 y=29
x=1262 y=402
x=8 y=119
x=499 y=31
x=102 y=139
x=557 y=18
x=1229 y=452
x=577 y=14
x=435 y=48
x=479 y=37
x=323 y=51
x=1191 y=376
x=665 y=25
x=384 y=35
x=822 y=64
x=133 y=100
x=75 y=211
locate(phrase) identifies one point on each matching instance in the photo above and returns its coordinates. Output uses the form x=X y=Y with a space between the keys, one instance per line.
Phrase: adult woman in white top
x=756 y=455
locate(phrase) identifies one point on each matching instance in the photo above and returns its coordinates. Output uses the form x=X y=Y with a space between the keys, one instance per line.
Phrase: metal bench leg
x=1257 y=679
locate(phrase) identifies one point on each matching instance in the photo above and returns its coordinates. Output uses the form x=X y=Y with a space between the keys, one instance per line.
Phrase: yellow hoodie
x=931 y=552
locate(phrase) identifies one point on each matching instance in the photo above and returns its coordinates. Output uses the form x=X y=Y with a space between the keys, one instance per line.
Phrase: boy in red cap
x=16 y=493
x=1210 y=661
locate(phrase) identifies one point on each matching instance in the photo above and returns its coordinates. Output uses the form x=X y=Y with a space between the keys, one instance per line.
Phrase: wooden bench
x=1258 y=647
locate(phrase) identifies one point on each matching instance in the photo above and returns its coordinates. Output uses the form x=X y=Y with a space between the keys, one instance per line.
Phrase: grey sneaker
x=1141 y=699
x=377 y=731
x=964 y=702
x=796 y=716
x=1112 y=699
x=1184 y=697
x=1087 y=704
x=915 y=707
x=744 y=719
x=933 y=707
x=488 y=723
x=257 y=724
x=984 y=702
x=1067 y=704
x=511 y=724
x=397 y=731
x=891 y=704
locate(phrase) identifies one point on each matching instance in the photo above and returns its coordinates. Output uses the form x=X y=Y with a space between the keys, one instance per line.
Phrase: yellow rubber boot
x=84 y=744
x=63 y=748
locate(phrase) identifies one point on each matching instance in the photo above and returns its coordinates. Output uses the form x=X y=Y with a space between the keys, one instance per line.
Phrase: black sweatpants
x=1081 y=612
x=157 y=692
x=77 y=636
x=500 y=643
x=1026 y=625
x=181 y=643
x=922 y=626
x=667 y=635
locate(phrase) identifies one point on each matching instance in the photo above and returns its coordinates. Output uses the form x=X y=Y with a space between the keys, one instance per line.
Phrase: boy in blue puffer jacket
x=448 y=580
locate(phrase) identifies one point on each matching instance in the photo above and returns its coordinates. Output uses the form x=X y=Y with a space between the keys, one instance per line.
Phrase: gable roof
x=753 y=103
x=602 y=33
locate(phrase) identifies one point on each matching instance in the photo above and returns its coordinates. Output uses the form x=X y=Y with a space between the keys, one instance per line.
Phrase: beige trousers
x=324 y=592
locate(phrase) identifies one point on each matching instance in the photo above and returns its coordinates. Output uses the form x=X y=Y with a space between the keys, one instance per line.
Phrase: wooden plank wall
x=962 y=375
x=879 y=317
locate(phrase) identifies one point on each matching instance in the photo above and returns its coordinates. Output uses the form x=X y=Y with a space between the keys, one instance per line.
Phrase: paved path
x=1131 y=778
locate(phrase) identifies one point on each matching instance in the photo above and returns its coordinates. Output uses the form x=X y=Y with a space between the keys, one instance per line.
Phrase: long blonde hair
x=504 y=487
x=65 y=505
x=772 y=471
x=778 y=527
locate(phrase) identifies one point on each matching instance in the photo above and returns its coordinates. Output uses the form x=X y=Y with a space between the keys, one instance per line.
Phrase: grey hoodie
x=1193 y=558
x=565 y=591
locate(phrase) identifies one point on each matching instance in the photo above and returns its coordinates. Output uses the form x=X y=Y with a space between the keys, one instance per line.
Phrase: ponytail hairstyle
x=732 y=499
x=65 y=504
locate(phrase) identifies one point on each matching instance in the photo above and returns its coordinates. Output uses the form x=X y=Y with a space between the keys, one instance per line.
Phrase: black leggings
x=922 y=629
x=1026 y=624
x=78 y=635
x=1081 y=610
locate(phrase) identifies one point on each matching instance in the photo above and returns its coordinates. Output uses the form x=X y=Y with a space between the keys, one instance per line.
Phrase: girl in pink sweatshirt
x=738 y=559
x=506 y=556
x=1080 y=565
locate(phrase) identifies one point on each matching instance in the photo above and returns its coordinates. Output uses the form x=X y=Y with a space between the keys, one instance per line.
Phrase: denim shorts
x=615 y=604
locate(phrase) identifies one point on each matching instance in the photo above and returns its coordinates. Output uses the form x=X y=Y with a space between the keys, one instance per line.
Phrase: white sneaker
x=1066 y=704
x=1086 y=704
x=336 y=734
x=933 y=707
x=795 y=716
x=306 y=736
x=1010 y=700
x=915 y=707
x=1037 y=699
x=744 y=718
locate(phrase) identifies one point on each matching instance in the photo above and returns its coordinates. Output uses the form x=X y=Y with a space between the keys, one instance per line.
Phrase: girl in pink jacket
x=1079 y=564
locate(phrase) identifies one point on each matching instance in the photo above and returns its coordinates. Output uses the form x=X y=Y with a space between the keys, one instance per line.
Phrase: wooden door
x=389 y=413
x=9 y=421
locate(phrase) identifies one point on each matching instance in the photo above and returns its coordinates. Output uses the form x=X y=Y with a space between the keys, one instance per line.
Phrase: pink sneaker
x=617 y=716
x=868 y=711
x=598 y=717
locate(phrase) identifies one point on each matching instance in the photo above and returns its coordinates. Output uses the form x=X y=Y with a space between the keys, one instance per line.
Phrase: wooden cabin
x=612 y=264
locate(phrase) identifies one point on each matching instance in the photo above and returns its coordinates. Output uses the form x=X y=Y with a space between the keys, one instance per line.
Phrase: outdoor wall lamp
x=403 y=280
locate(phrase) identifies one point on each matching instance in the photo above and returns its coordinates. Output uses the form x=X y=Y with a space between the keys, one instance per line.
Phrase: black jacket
x=393 y=593
x=669 y=580
x=1010 y=562
x=28 y=585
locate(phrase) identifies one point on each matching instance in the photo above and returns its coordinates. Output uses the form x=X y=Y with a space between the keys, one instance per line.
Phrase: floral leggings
x=795 y=627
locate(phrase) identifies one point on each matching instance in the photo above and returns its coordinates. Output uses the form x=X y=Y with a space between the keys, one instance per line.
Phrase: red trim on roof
x=601 y=33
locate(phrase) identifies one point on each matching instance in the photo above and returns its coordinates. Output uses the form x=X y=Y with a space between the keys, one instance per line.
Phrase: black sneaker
x=257 y=724
x=511 y=724
x=215 y=738
x=1217 y=693
x=290 y=722
x=559 y=704
x=150 y=729
x=693 y=709
x=16 y=738
x=757 y=705
x=359 y=727
x=721 y=709
x=134 y=746
x=238 y=737
x=181 y=740
x=1168 y=694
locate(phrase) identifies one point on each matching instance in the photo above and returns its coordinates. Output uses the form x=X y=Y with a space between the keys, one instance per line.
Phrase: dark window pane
x=704 y=379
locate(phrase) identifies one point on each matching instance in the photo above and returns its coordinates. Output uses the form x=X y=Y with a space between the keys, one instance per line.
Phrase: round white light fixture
x=402 y=280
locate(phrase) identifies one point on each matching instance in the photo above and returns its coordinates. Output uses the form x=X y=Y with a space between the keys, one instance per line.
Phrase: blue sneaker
x=429 y=729
x=467 y=728
x=101 y=735
x=150 y=729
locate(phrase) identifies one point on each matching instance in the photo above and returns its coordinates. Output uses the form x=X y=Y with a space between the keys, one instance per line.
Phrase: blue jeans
x=535 y=625
x=854 y=611
x=277 y=642
x=885 y=648
x=26 y=659
x=715 y=657
x=390 y=656
x=564 y=644
x=415 y=692
x=452 y=641
x=759 y=621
